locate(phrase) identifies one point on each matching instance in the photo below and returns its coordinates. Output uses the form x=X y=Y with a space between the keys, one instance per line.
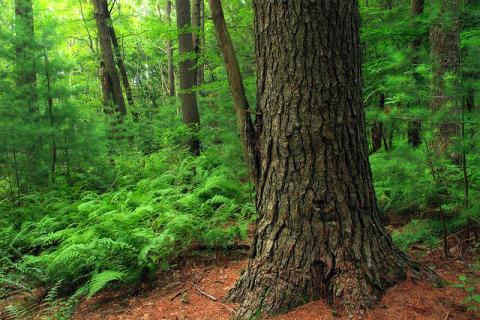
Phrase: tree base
x=266 y=289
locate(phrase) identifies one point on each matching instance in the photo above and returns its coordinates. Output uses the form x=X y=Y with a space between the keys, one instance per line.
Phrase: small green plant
x=472 y=301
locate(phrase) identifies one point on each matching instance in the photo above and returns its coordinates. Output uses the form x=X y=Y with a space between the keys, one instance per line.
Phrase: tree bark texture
x=111 y=88
x=318 y=234
x=25 y=53
x=445 y=52
x=415 y=126
x=188 y=75
x=242 y=108
x=171 y=70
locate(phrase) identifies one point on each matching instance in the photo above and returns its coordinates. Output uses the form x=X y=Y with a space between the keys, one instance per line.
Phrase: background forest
x=102 y=185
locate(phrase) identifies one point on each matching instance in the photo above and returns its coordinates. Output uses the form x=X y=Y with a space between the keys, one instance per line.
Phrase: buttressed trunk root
x=351 y=288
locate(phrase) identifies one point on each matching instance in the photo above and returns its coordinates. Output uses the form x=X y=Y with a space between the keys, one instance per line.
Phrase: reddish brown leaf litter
x=194 y=292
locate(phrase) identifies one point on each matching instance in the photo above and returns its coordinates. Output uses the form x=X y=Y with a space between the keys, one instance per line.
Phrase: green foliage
x=155 y=209
x=418 y=231
x=472 y=301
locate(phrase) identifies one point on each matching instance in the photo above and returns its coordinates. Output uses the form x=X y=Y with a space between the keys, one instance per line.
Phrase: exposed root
x=264 y=289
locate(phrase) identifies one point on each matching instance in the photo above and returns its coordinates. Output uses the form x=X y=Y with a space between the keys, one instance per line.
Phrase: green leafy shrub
x=472 y=301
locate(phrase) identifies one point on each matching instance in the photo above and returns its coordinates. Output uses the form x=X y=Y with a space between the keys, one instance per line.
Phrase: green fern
x=100 y=280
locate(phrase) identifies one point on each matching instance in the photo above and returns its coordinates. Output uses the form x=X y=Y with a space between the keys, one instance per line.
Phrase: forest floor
x=195 y=287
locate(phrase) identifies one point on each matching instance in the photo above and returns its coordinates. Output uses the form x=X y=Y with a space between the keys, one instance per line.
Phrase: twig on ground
x=203 y=293
x=209 y=296
x=177 y=294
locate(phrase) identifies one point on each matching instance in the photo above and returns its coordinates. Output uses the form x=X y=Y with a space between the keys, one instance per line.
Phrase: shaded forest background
x=105 y=180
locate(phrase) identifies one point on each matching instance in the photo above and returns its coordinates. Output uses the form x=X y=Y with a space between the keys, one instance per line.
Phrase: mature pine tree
x=196 y=25
x=445 y=51
x=171 y=71
x=26 y=95
x=318 y=233
x=25 y=54
x=188 y=74
x=112 y=89
x=415 y=126
x=201 y=45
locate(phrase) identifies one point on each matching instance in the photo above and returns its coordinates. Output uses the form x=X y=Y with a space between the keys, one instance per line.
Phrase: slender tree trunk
x=377 y=128
x=53 y=150
x=17 y=175
x=112 y=90
x=188 y=75
x=242 y=108
x=445 y=51
x=470 y=100
x=196 y=35
x=171 y=71
x=415 y=126
x=118 y=56
x=318 y=233
x=26 y=81
x=25 y=54
x=201 y=65
x=198 y=7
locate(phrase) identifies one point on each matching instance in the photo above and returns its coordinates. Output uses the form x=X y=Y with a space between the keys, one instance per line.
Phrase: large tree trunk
x=111 y=88
x=188 y=75
x=242 y=108
x=25 y=54
x=445 y=51
x=415 y=126
x=171 y=71
x=318 y=233
x=119 y=58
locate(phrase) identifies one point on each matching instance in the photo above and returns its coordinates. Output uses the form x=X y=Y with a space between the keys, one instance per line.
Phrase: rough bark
x=171 y=71
x=191 y=116
x=318 y=233
x=242 y=108
x=445 y=52
x=119 y=58
x=377 y=128
x=25 y=53
x=111 y=88
x=415 y=126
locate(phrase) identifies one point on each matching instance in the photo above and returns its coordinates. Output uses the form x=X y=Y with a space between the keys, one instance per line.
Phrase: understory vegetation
x=122 y=224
